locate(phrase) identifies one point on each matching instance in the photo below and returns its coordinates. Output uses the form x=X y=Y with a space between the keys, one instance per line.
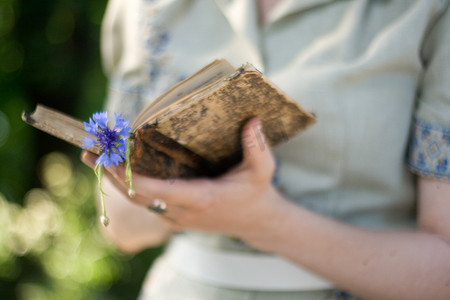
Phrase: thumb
x=256 y=151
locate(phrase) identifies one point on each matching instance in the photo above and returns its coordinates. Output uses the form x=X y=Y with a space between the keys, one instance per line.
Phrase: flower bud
x=105 y=220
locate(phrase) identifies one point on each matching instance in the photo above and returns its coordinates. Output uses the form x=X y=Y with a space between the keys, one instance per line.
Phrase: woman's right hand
x=132 y=227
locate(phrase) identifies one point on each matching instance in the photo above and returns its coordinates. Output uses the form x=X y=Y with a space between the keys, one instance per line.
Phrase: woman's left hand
x=242 y=203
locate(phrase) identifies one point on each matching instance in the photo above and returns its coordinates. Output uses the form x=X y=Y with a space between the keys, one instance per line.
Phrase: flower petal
x=103 y=160
x=107 y=160
x=121 y=126
x=88 y=142
x=121 y=149
x=101 y=118
x=125 y=132
x=115 y=158
x=120 y=122
x=91 y=127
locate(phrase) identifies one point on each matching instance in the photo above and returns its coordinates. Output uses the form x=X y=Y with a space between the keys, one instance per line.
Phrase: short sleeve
x=429 y=151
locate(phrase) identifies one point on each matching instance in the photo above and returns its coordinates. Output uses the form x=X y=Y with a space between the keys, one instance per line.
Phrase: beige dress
x=375 y=72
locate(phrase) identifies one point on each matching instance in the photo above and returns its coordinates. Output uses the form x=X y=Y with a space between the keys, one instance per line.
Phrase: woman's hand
x=242 y=203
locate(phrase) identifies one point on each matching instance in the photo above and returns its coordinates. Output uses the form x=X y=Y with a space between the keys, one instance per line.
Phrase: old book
x=194 y=128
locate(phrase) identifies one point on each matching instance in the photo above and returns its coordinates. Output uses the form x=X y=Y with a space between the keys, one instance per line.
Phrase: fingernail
x=88 y=159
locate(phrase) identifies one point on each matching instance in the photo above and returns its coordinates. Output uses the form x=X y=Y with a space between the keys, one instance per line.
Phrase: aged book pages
x=194 y=129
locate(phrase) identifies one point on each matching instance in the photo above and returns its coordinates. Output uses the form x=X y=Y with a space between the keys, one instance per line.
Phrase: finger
x=145 y=196
x=174 y=191
x=89 y=158
x=179 y=192
x=116 y=174
x=256 y=152
x=180 y=218
x=143 y=201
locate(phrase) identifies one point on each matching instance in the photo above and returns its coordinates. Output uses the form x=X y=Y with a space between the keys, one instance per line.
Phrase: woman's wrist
x=274 y=228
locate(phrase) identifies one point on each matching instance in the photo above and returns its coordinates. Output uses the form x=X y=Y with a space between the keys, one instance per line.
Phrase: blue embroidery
x=442 y=166
x=157 y=42
x=429 y=152
x=155 y=70
x=156 y=39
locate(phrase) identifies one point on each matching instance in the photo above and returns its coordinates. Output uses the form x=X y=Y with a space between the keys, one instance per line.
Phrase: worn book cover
x=194 y=128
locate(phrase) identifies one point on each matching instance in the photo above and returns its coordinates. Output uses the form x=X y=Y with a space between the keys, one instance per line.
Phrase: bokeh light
x=51 y=246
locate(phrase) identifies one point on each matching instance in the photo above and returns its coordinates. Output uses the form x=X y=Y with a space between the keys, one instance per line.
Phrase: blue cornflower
x=115 y=146
x=113 y=141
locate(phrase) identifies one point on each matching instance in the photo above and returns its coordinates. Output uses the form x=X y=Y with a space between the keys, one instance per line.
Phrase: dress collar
x=243 y=18
x=289 y=7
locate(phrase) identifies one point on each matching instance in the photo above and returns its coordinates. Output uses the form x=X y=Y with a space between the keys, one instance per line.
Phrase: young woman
x=359 y=203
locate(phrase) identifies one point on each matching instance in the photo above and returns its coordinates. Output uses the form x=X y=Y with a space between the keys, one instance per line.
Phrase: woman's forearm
x=373 y=264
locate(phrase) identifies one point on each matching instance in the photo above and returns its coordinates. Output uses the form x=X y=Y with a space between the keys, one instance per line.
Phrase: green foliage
x=50 y=243
x=56 y=231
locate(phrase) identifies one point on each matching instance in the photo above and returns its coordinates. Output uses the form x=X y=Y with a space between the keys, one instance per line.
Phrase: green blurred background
x=50 y=243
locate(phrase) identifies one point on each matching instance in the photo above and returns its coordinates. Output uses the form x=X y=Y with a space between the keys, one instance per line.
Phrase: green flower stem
x=128 y=172
x=99 y=173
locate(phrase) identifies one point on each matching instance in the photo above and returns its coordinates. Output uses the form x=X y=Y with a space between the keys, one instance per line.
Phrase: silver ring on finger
x=158 y=206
